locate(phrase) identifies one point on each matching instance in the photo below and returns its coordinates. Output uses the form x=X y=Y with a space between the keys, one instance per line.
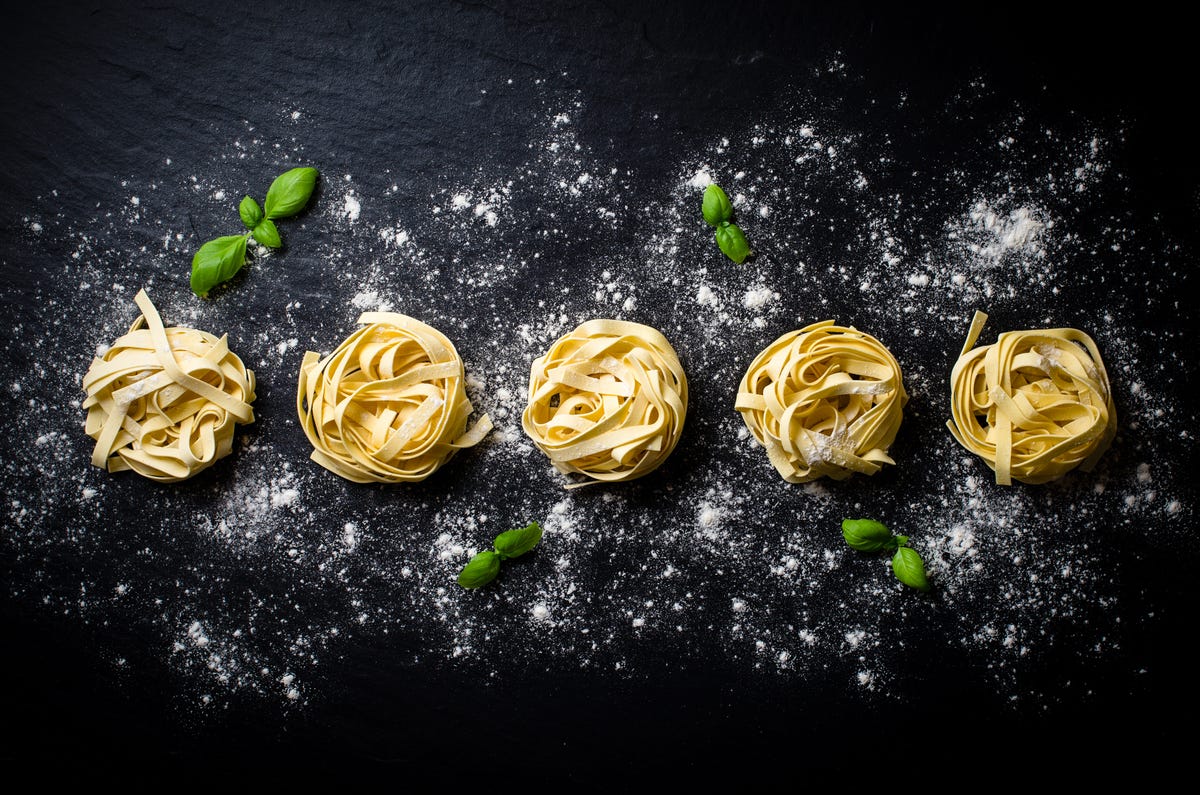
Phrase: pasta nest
x=825 y=401
x=607 y=401
x=389 y=405
x=1033 y=405
x=164 y=401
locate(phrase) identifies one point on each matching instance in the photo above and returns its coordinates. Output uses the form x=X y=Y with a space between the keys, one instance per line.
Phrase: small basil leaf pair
x=485 y=566
x=263 y=228
x=718 y=212
x=868 y=535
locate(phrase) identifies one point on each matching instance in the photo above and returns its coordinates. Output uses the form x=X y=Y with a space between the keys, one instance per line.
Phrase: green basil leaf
x=290 y=191
x=900 y=541
x=481 y=570
x=515 y=543
x=251 y=213
x=910 y=569
x=216 y=262
x=866 y=535
x=716 y=207
x=267 y=234
x=732 y=242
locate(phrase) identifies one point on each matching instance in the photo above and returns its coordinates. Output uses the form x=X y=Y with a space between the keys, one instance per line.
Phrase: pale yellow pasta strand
x=824 y=401
x=607 y=401
x=164 y=402
x=1033 y=405
x=389 y=405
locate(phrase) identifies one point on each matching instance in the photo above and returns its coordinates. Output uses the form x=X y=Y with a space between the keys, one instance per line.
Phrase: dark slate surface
x=95 y=92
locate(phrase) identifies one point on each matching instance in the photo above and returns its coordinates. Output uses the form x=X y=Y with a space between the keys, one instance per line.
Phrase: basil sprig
x=868 y=535
x=718 y=212
x=217 y=261
x=484 y=567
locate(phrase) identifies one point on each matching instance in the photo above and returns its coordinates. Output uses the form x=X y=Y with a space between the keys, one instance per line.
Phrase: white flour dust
x=251 y=579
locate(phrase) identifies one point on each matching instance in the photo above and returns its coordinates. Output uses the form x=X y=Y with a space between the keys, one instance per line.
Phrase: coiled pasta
x=164 y=401
x=824 y=401
x=389 y=404
x=607 y=401
x=1033 y=405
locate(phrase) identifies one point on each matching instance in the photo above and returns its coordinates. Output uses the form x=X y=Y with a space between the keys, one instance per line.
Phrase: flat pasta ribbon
x=607 y=401
x=389 y=405
x=825 y=401
x=1034 y=405
x=164 y=401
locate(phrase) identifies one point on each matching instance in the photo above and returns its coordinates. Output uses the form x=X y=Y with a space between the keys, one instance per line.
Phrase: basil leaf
x=910 y=569
x=217 y=261
x=866 y=535
x=267 y=234
x=716 y=207
x=515 y=543
x=480 y=570
x=290 y=191
x=251 y=213
x=732 y=242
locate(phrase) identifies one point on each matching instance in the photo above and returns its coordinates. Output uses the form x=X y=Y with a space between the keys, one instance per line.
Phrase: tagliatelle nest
x=825 y=401
x=164 y=402
x=1033 y=405
x=389 y=405
x=607 y=401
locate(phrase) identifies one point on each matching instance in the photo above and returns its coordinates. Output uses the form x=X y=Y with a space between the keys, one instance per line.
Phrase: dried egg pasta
x=164 y=401
x=389 y=405
x=824 y=401
x=607 y=401
x=1033 y=405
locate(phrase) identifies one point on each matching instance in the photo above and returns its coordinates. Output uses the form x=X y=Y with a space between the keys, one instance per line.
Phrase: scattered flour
x=257 y=575
x=351 y=208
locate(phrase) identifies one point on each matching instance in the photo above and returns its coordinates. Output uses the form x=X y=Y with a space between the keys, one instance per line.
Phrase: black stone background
x=91 y=91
